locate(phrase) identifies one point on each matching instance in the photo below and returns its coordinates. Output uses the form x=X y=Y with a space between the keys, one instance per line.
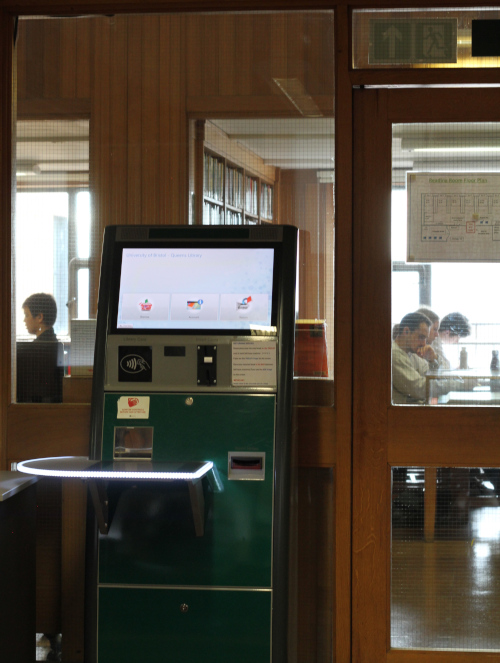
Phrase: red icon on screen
x=146 y=305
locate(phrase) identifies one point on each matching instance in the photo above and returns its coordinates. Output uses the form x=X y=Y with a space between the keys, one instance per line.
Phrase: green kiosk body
x=187 y=549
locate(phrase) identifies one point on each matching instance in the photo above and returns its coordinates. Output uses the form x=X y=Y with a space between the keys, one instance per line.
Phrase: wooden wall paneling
x=212 y=37
x=277 y=42
x=48 y=556
x=296 y=50
x=328 y=230
x=52 y=80
x=342 y=613
x=315 y=564
x=34 y=53
x=47 y=429
x=371 y=498
x=95 y=159
x=316 y=435
x=118 y=122
x=20 y=57
x=318 y=36
x=99 y=134
x=198 y=156
x=261 y=55
x=165 y=82
x=413 y=433
x=177 y=152
x=6 y=202
x=134 y=119
x=73 y=518
x=68 y=58
x=150 y=121
x=229 y=67
x=85 y=43
x=245 y=42
x=195 y=53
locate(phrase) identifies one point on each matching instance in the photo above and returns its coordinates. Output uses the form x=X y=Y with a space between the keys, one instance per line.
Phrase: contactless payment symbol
x=244 y=304
x=135 y=363
x=194 y=305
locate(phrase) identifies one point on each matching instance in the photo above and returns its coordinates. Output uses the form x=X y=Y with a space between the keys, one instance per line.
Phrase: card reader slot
x=244 y=463
x=248 y=465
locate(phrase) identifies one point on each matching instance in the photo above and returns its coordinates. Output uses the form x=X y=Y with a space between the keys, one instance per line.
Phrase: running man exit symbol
x=436 y=40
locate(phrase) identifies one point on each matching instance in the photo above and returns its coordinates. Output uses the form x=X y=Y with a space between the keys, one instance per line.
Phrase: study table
x=475 y=388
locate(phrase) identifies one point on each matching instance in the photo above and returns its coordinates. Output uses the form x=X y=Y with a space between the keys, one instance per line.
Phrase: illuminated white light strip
x=110 y=474
x=486 y=148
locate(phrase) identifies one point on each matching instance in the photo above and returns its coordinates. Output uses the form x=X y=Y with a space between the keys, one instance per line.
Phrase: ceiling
x=58 y=151
x=305 y=143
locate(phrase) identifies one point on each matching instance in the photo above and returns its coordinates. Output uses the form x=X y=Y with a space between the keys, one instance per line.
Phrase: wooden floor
x=446 y=594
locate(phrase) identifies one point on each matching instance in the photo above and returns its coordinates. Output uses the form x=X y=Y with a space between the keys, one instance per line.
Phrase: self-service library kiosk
x=187 y=545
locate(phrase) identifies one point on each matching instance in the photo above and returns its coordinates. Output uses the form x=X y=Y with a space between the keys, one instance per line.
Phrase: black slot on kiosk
x=187 y=546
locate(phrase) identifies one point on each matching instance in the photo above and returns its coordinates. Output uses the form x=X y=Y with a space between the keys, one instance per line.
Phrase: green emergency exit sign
x=417 y=41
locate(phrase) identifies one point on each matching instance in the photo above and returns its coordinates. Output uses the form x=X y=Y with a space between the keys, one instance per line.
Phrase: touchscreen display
x=195 y=288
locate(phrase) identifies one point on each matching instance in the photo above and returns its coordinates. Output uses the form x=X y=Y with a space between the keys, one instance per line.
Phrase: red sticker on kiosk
x=133 y=407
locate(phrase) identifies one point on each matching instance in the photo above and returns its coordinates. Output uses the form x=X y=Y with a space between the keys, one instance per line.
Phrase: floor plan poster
x=453 y=217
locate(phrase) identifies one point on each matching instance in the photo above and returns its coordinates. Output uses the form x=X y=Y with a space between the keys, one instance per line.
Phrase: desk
x=471 y=396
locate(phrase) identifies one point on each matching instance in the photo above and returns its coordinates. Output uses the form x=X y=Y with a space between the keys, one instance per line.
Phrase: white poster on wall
x=453 y=217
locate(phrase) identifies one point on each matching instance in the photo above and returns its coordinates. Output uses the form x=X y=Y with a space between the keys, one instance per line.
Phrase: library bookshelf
x=236 y=187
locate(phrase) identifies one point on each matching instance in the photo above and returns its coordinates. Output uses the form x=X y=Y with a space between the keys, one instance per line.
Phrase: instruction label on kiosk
x=254 y=364
x=133 y=407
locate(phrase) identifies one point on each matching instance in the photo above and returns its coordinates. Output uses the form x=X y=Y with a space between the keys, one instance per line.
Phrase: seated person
x=453 y=327
x=40 y=365
x=427 y=352
x=409 y=384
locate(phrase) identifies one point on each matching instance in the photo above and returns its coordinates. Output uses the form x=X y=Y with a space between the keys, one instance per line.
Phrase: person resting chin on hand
x=427 y=352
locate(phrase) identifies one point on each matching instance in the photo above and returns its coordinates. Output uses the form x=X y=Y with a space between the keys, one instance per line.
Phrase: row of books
x=213 y=180
x=251 y=195
x=241 y=192
x=213 y=215
x=234 y=187
x=266 y=201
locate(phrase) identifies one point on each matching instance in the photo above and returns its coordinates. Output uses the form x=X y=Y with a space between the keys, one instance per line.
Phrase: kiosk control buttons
x=207 y=365
x=246 y=465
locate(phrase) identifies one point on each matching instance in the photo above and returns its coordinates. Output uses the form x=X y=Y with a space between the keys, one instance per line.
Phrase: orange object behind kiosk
x=311 y=357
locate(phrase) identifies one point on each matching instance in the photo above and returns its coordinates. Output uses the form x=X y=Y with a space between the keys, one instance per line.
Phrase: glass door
x=426 y=537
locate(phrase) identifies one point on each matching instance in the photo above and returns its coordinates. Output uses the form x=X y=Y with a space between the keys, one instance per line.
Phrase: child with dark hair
x=40 y=313
x=40 y=362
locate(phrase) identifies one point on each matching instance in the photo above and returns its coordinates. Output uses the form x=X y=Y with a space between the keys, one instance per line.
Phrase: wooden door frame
x=383 y=435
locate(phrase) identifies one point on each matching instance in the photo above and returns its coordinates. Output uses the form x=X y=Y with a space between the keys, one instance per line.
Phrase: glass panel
x=445 y=558
x=260 y=151
x=52 y=176
x=446 y=190
x=424 y=38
